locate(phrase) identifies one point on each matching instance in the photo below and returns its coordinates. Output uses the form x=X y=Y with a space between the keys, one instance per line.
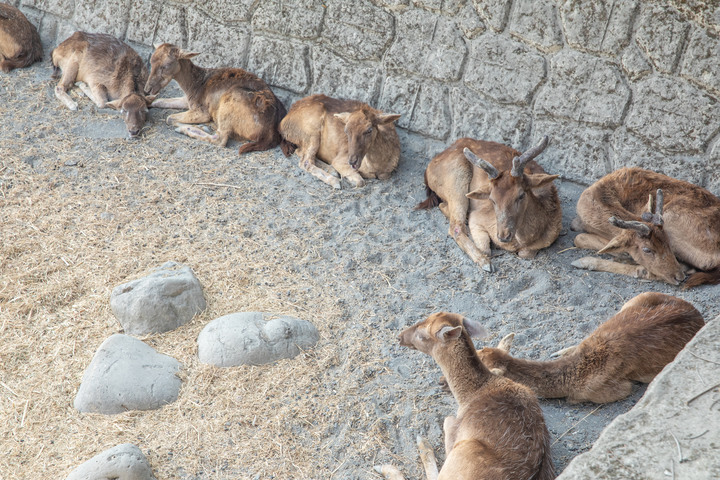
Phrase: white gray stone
x=494 y=12
x=601 y=27
x=142 y=21
x=358 y=30
x=289 y=18
x=536 y=22
x=220 y=45
x=126 y=374
x=424 y=105
x=123 y=462
x=162 y=301
x=661 y=33
x=227 y=11
x=254 y=338
x=171 y=29
x=701 y=60
x=102 y=16
x=340 y=78
x=280 y=63
x=634 y=63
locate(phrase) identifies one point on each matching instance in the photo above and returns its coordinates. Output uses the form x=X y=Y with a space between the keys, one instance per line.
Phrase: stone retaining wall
x=615 y=83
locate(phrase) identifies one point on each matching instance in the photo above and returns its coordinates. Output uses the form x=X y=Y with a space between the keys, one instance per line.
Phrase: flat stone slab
x=162 y=301
x=673 y=431
x=123 y=462
x=126 y=374
x=254 y=338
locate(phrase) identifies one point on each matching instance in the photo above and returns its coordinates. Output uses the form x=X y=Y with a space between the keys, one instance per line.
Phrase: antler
x=479 y=162
x=518 y=164
x=639 y=227
x=654 y=215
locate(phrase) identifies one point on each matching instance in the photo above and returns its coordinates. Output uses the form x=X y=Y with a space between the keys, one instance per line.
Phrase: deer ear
x=387 y=118
x=449 y=333
x=185 y=55
x=616 y=244
x=481 y=193
x=537 y=180
x=149 y=99
x=498 y=371
x=343 y=117
x=474 y=329
x=115 y=104
x=157 y=45
x=506 y=342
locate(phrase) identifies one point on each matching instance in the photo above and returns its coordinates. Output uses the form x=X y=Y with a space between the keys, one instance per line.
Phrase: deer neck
x=462 y=368
x=191 y=79
x=547 y=379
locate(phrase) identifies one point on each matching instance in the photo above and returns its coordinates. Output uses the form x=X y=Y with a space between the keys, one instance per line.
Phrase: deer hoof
x=585 y=263
x=489 y=267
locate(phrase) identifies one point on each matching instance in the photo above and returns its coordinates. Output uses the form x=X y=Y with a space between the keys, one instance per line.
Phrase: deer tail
x=432 y=200
x=711 y=277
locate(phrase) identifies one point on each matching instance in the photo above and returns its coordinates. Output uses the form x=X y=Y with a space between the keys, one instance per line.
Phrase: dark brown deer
x=20 y=44
x=111 y=72
x=503 y=196
x=352 y=139
x=679 y=223
x=241 y=104
x=499 y=432
x=634 y=345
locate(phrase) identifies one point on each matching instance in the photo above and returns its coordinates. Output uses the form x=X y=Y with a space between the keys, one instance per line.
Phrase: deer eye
x=521 y=196
x=647 y=250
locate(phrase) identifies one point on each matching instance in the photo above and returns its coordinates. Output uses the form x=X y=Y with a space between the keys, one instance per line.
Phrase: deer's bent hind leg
x=66 y=82
x=307 y=162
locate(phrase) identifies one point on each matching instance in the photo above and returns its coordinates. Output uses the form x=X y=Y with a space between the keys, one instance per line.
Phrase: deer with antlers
x=497 y=194
x=667 y=226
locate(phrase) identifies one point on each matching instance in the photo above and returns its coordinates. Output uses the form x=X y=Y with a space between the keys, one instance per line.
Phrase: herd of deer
x=488 y=191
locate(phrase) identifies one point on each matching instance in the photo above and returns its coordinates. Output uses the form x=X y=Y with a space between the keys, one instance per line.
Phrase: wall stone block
x=661 y=33
x=701 y=62
x=171 y=27
x=469 y=22
x=280 y=63
x=61 y=8
x=712 y=179
x=634 y=63
x=602 y=27
x=220 y=45
x=291 y=18
x=358 y=29
x=673 y=115
x=144 y=16
x=584 y=88
x=450 y=7
x=101 y=16
x=423 y=105
x=504 y=69
x=536 y=22
x=339 y=78
x=428 y=44
x=493 y=12
x=227 y=11
x=477 y=118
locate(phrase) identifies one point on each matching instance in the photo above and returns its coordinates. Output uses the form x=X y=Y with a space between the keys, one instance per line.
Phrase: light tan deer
x=681 y=221
x=111 y=72
x=352 y=139
x=20 y=44
x=503 y=196
x=499 y=432
x=634 y=345
x=239 y=102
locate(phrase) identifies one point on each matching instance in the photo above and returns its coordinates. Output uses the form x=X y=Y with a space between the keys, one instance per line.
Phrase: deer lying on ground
x=351 y=139
x=241 y=104
x=503 y=195
x=499 y=432
x=681 y=221
x=634 y=345
x=19 y=40
x=111 y=72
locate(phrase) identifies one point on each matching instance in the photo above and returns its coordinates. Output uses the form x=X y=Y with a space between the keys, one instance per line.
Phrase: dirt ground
x=83 y=210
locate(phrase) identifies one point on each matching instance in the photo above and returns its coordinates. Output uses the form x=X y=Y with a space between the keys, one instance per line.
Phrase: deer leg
x=449 y=428
x=589 y=241
x=481 y=238
x=427 y=457
x=307 y=163
x=564 y=352
x=66 y=82
x=341 y=164
x=601 y=265
x=96 y=93
x=327 y=167
x=389 y=472
x=458 y=231
x=178 y=103
x=189 y=116
x=607 y=392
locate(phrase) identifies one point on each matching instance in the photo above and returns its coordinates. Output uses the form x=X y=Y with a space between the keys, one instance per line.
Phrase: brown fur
x=113 y=71
x=467 y=195
x=634 y=345
x=239 y=102
x=499 y=432
x=690 y=231
x=353 y=139
x=20 y=44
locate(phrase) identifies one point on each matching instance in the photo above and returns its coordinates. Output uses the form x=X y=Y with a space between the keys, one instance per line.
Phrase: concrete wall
x=614 y=83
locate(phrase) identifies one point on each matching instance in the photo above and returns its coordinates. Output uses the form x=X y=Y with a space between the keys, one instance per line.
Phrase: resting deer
x=113 y=75
x=20 y=44
x=503 y=195
x=681 y=221
x=634 y=345
x=499 y=432
x=352 y=139
x=240 y=103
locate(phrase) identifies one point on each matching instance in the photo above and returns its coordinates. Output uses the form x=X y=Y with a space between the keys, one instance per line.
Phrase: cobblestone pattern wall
x=615 y=83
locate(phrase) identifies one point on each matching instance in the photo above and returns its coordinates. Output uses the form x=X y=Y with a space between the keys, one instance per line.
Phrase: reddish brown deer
x=352 y=139
x=634 y=345
x=20 y=44
x=111 y=72
x=681 y=221
x=499 y=432
x=503 y=195
x=241 y=104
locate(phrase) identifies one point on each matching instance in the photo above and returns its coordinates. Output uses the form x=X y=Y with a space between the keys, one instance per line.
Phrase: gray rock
x=428 y=44
x=220 y=45
x=537 y=23
x=424 y=105
x=494 y=66
x=672 y=432
x=339 y=78
x=143 y=17
x=712 y=181
x=673 y=115
x=171 y=25
x=123 y=462
x=251 y=338
x=494 y=12
x=226 y=11
x=583 y=88
x=661 y=33
x=601 y=27
x=126 y=374
x=280 y=63
x=101 y=16
x=469 y=22
x=162 y=301
x=701 y=61
x=357 y=30
x=634 y=63
x=289 y=18
x=448 y=7
x=61 y=8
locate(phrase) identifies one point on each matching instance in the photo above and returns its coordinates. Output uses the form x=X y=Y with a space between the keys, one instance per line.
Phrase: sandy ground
x=82 y=210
